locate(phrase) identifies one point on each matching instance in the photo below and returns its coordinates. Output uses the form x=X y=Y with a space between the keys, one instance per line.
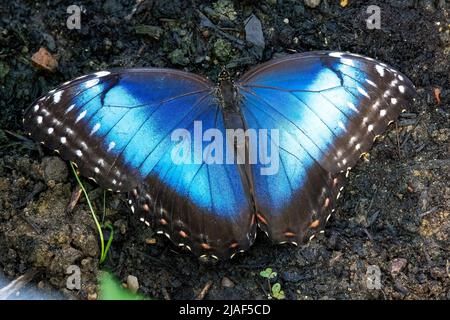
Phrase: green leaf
x=266 y=273
x=277 y=293
x=276 y=288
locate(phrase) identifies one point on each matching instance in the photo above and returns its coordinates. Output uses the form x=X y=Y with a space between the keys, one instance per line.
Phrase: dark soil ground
x=394 y=212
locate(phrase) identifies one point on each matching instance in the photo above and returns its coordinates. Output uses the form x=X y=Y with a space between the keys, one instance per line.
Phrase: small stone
x=51 y=184
x=291 y=276
x=54 y=169
x=132 y=283
x=45 y=60
x=41 y=284
x=397 y=265
x=254 y=34
x=92 y=296
x=227 y=283
x=312 y=3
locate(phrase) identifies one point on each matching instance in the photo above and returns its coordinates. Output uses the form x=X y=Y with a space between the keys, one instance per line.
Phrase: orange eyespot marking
x=314 y=224
x=234 y=245
x=205 y=246
x=163 y=221
x=261 y=218
x=289 y=234
x=326 y=202
x=146 y=207
x=183 y=234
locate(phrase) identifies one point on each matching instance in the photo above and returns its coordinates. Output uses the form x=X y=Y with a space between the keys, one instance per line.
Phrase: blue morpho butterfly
x=326 y=109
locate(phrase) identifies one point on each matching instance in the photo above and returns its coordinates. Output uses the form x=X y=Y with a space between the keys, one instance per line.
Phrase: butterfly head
x=224 y=76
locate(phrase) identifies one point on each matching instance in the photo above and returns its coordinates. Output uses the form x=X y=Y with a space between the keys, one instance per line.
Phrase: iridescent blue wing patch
x=328 y=108
x=116 y=126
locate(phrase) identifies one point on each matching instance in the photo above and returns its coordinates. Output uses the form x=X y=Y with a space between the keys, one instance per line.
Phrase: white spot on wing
x=102 y=73
x=363 y=92
x=335 y=54
x=50 y=130
x=111 y=146
x=380 y=70
x=81 y=116
x=69 y=109
x=348 y=62
x=39 y=119
x=57 y=96
x=79 y=153
x=373 y=84
x=393 y=100
x=352 y=106
x=95 y=129
x=401 y=88
x=63 y=140
x=91 y=83
x=36 y=108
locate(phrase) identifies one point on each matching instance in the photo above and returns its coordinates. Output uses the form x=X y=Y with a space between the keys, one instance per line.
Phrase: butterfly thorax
x=229 y=101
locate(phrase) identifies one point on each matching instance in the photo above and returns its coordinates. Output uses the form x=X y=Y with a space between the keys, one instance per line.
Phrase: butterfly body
x=208 y=165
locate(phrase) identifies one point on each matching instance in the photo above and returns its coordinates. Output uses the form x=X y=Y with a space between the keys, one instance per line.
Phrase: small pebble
x=132 y=283
x=312 y=3
x=44 y=59
x=92 y=296
x=227 y=283
x=55 y=170
x=397 y=265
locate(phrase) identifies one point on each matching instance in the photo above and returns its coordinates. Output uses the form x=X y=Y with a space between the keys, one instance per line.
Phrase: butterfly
x=155 y=134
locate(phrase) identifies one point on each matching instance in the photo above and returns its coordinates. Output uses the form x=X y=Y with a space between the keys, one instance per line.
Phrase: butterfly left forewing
x=117 y=127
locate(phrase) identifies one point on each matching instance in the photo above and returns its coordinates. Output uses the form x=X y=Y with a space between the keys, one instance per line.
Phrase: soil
x=393 y=213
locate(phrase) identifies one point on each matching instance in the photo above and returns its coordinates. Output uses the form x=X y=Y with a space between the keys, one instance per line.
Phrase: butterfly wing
x=117 y=127
x=327 y=107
